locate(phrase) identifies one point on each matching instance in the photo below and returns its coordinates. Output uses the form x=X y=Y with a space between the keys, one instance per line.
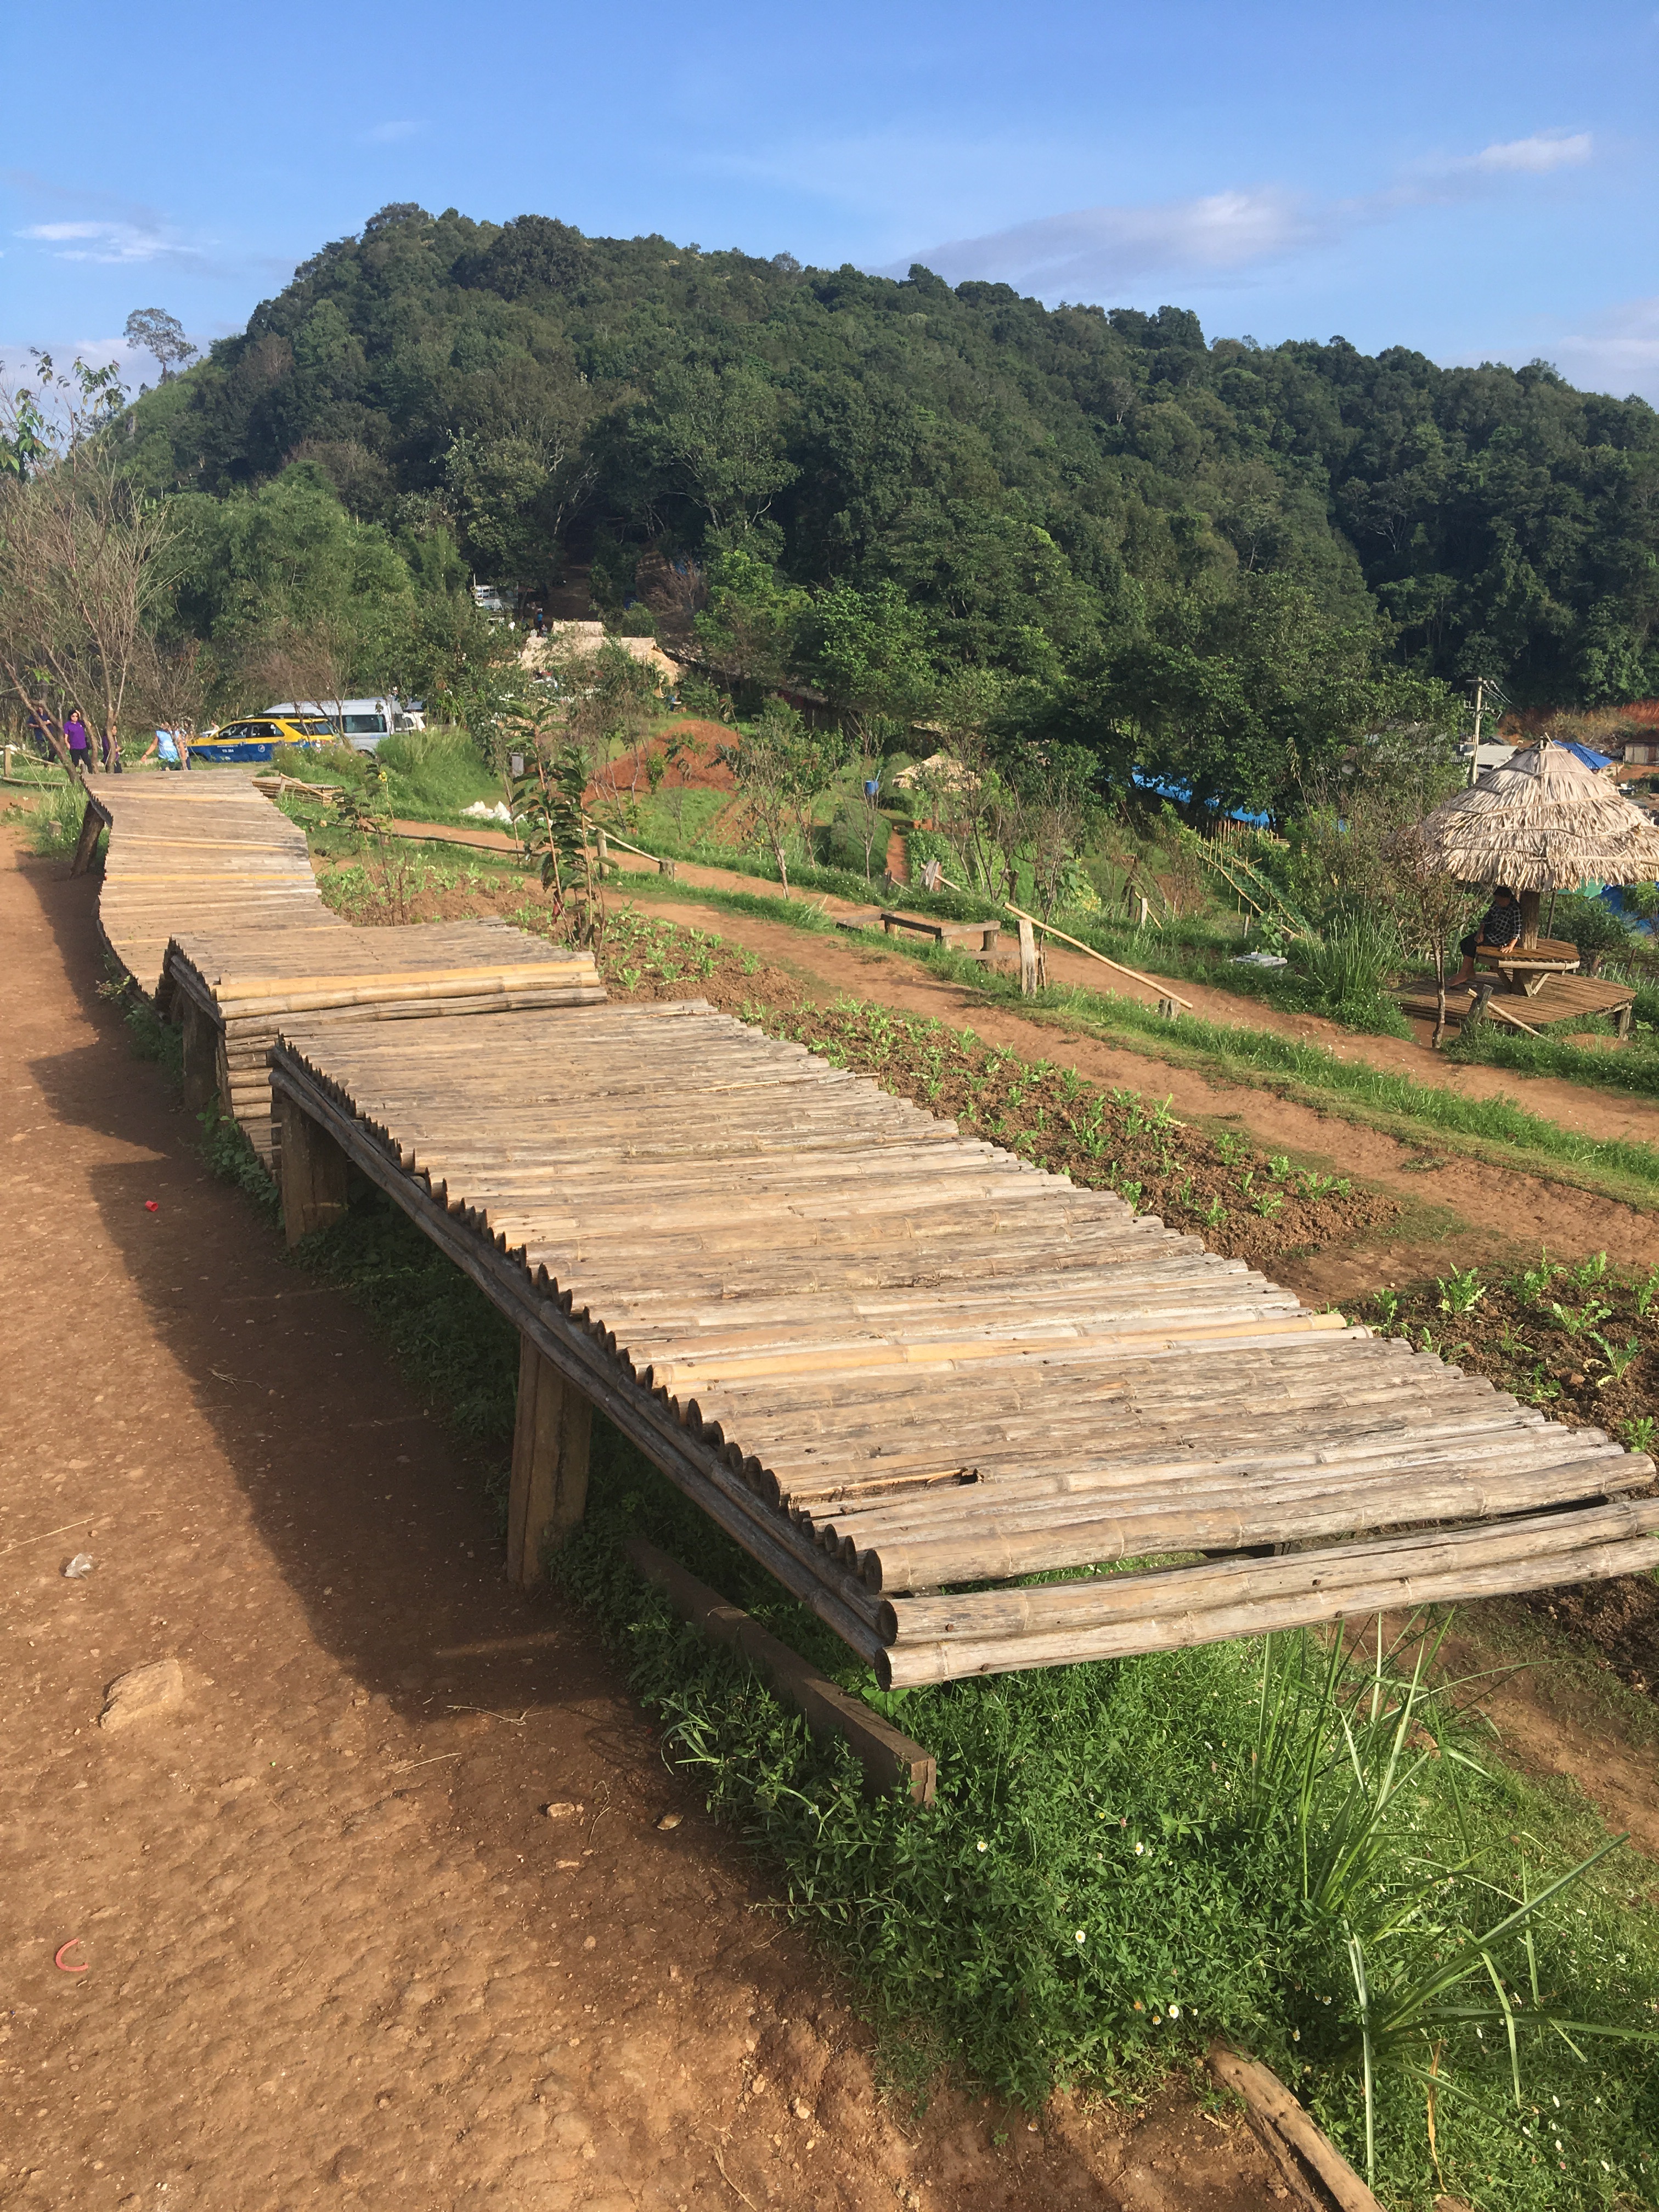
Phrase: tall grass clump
x=1353 y=964
x=55 y=819
x=431 y=774
x=1306 y=1849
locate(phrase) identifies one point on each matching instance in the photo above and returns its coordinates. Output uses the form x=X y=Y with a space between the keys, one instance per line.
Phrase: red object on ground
x=151 y=1205
x=57 y=1958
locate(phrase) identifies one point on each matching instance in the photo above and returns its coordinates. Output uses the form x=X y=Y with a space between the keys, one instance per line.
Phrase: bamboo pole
x=1152 y=982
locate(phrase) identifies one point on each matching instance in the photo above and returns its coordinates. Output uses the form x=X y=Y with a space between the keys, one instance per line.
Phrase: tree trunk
x=1439 y=997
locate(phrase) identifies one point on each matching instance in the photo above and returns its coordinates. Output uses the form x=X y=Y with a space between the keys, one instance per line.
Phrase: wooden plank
x=887 y=1757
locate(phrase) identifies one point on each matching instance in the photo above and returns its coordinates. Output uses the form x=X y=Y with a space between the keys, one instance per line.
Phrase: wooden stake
x=1028 y=960
x=201 y=1041
x=550 y=1439
x=313 y=1170
x=91 y=822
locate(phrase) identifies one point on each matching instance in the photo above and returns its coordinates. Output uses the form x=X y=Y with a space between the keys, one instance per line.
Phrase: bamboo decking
x=901 y=1366
x=191 y=854
x=1563 y=1000
x=209 y=870
x=908 y=1371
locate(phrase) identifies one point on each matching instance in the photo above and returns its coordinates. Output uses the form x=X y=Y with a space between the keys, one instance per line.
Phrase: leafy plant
x=1585 y=1318
x=1461 y=1291
x=1619 y=1362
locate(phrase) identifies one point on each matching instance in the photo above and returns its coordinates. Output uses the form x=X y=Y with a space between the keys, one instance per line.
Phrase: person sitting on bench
x=1502 y=926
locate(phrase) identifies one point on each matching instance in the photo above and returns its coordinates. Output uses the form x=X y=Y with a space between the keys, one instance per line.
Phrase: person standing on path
x=76 y=738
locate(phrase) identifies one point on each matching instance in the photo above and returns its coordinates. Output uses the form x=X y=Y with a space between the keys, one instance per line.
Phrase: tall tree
x=162 y=335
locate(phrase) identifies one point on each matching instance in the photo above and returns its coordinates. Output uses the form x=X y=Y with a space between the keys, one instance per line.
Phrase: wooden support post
x=549 y=1464
x=668 y=868
x=1530 y=902
x=201 y=1042
x=314 y=1171
x=1028 y=961
x=91 y=822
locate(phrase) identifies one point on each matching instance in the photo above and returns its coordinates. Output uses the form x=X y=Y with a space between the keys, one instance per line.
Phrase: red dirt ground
x=336 y=1954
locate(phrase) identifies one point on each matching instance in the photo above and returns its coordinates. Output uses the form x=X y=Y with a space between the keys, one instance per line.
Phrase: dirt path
x=334 y=1952
x=1481 y=1213
x=1594 y=1113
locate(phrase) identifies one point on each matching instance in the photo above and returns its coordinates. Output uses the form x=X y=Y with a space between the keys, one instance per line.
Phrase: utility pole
x=1480 y=707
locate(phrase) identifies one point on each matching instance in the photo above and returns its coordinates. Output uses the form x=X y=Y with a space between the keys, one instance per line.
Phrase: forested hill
x=1100 y=504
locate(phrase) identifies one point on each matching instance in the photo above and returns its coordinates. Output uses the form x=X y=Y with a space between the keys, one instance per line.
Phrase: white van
x=362 y=722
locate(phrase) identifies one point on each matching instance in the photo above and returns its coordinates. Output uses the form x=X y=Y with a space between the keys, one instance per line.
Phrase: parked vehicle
x=256 y=737
x=360 y=723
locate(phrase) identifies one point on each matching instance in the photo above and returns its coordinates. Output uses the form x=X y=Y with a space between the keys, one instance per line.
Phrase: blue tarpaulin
x=1167 y=787
x=1596 y=760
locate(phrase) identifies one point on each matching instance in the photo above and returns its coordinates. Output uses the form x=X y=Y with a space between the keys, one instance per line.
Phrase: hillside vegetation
x=1209 y=558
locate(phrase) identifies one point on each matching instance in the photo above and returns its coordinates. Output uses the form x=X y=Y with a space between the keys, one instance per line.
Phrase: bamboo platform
x=1560 y=999
x=905 y=1370
x=206 y=868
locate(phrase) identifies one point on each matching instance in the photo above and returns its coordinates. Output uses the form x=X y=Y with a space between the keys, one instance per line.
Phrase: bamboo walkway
x=210 y=902
x=908 y=1371
x=892 y=1361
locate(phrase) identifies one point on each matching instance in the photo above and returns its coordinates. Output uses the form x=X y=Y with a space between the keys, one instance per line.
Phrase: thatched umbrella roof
x=1543 y=822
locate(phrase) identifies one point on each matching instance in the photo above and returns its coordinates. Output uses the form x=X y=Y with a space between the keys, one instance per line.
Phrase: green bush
x=638 y=620
x=1588 y=923
x=849 y=827
x=433 y=773
x=54 y=820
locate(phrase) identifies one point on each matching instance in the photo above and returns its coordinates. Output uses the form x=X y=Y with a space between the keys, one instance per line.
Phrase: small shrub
x=54 y=820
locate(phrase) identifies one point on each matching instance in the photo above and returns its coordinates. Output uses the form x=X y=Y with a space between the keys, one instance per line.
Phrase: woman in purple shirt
x=75 y=736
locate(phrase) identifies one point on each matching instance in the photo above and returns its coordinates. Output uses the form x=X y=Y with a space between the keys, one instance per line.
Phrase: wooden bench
x=961 y=936
x=1529 y=969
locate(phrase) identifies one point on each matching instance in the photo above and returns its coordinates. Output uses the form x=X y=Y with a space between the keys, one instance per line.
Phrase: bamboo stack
x=907 y=1371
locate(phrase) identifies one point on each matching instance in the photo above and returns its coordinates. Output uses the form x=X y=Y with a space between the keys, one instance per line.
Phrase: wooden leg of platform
x=549 y=1464
x=91 y=823
x=313 y=1173
x=201 y=1042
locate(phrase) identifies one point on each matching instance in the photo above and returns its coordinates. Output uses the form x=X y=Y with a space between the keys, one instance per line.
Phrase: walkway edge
x=885 y=1754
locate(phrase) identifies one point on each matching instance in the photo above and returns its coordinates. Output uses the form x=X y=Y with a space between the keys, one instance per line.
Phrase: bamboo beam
x=887 y=1756
x=1152 y=982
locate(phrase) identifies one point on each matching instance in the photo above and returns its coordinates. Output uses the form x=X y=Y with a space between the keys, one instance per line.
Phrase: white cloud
x=1089 y=252
x=108 y=242
x=1093 y=249
x=387 y=134
x=1537 y=155
x=1616 y=352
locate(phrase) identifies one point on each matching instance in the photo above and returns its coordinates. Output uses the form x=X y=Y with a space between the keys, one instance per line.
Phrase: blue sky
x=1473 y=180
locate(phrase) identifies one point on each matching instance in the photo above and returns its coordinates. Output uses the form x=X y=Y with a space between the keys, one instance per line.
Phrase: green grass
x=1633 y=1067
x=1125 y=1802
x=53 y=823
x=1122 y=1802
x=1497 y=1130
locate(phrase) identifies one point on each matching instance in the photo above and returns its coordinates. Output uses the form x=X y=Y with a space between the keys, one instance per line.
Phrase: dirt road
x=1492 y=1215
x=309 y=1938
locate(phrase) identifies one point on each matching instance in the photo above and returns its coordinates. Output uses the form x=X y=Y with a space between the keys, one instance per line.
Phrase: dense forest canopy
x=1207 y=558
